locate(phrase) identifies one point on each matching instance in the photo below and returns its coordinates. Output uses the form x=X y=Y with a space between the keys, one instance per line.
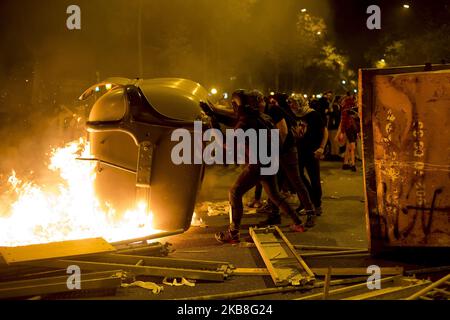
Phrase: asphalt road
x=342 y=224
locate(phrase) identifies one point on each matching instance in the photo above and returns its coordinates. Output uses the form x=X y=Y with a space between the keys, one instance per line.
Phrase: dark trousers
x=289 y=164
x=248 y=178
x=311 y=164
x=258 y=191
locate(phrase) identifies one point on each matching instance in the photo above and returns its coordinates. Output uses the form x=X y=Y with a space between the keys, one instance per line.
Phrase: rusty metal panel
x=406 y=142
x=55 y=250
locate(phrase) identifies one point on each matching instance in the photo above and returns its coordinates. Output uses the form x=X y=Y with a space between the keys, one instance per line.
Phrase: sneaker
x=318 y=211
x=254 y=204
x=346 y=167
x=301 y=210
x=353 y=168
x=310 y=221
x=270 y=221
x=229 y=236
x=297 y=228
x=266 y=209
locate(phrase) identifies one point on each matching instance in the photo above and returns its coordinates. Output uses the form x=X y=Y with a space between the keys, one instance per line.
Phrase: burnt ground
x=342 y=224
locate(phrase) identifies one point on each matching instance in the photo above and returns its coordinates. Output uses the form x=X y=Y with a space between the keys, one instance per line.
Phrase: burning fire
x=71 y=211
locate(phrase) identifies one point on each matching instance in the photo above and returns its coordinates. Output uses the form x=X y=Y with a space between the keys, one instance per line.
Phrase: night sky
x=207 y=41
x=349 y=20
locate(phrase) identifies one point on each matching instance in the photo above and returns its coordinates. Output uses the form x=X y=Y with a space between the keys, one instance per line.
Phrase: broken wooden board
x=285 y=265
x=55 y=250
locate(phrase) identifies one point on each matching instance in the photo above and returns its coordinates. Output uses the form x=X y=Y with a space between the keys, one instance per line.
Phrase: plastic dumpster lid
x=174 y=98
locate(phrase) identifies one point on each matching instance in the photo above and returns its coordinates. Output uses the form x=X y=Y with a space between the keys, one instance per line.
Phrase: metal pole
x=150 y=237
x=260 y=292
x=429 y=288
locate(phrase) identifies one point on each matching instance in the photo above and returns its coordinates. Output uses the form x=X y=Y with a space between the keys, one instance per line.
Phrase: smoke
x=44 y=66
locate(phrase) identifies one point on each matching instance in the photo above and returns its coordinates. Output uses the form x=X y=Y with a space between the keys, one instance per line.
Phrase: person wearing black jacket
x=250 y=118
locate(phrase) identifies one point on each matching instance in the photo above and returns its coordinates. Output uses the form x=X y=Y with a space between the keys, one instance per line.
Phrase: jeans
x=289 y=164
x=248 y=178
x=312 y=165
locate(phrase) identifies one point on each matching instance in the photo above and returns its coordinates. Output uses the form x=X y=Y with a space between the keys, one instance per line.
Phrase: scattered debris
x=197 y=221
x=433 y=291
x=153 y=287
x=144 y=249
x=106 y=268
x=213 y=208
x=283 y=262
x=174 y=282
x=267 y=291
x=391 y=288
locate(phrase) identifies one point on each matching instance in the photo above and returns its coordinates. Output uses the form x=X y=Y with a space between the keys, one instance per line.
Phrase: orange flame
x=70 y=212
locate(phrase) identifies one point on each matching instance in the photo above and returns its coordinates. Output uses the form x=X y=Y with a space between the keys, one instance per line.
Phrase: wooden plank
x=55 y=250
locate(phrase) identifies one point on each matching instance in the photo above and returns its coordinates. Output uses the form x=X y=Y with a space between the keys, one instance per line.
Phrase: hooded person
x=310 y=146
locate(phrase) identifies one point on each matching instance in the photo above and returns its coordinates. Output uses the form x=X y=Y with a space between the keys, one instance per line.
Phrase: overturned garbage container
x=130 y=128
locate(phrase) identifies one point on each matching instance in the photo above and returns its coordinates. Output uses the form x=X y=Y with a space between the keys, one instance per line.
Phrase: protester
x=348 y=129
x=251 y=118
x=310 y=147
x=288 y=155
x=334 y=119
x=323 y=105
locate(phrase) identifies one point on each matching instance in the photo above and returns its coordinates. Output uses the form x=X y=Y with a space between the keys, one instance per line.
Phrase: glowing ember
x=70 y=212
